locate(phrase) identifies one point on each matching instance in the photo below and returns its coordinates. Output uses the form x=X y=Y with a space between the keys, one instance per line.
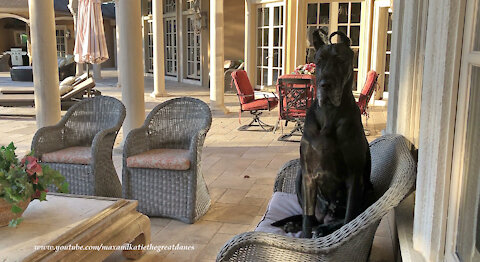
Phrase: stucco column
x=45 y=67
x=130 y=66
x=216 y=57
x=158 y=50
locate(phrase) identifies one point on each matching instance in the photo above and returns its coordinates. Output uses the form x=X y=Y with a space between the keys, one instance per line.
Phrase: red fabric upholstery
x=367 y=91
x=260 y=104
x=244 y=88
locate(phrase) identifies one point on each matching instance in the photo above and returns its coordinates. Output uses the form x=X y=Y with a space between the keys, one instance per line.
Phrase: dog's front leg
x=309 y=192
x=354 y=200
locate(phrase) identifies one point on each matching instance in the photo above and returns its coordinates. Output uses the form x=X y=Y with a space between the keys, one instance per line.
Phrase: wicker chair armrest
x=48 y=139
x=261 y=240
x=196 y=144
x=136 y=142
x=104 y=138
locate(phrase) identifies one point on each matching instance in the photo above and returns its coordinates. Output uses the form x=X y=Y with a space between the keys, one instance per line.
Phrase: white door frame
x=458 y=184
x=379 y=46
x=270 y=47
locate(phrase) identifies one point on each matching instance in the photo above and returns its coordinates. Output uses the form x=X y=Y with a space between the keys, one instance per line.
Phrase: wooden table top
x=59 y=221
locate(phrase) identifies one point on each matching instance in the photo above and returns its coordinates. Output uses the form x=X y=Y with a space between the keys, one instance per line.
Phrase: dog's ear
x=343 y=38
x=317 y=38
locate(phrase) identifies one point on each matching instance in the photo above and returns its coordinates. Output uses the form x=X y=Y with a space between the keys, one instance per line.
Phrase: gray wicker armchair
x=80 y=146
x=173 y=129
x=393 y=177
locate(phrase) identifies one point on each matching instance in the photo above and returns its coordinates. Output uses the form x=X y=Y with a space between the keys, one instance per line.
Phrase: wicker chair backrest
x=90 y=116
x=173 y=123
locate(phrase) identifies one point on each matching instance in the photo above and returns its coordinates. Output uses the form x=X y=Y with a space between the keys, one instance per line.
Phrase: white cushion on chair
x=71 y=155
x=170 y=159
x=281 y=205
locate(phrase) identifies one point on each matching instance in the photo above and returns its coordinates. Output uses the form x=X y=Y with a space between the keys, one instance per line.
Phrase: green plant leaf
x=43 y=196
x=16 y=209
x=15 y=222
x=64 y=187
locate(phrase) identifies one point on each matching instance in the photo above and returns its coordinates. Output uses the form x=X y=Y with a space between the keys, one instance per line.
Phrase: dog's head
x=334 y=68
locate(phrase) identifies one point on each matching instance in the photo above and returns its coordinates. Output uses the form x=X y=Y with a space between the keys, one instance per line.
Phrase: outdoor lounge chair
x=24 y=97
x=80 y=146
x=161 y=161
x=393 y=177
x=246 y=97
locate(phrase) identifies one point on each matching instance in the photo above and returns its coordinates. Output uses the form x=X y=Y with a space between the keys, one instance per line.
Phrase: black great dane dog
x=334 y=154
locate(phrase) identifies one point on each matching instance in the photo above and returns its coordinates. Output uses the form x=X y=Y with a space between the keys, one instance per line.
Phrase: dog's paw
x=291 y=227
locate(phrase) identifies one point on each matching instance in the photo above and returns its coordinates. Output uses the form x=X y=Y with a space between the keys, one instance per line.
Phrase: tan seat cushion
x=171 y=159
x=71 y=155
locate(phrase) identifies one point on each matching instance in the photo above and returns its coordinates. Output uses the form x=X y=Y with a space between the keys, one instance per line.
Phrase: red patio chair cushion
x=170 y=159
x=367 y=91
x=244 y=88
x=260 y=104
x=81 y=155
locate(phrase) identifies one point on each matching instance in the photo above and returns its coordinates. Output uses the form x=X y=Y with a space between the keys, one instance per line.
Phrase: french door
x=270 y=44
x=345 y=16
x=463 y=227
x=170 y=31
x=149 y=46
x=192 y=48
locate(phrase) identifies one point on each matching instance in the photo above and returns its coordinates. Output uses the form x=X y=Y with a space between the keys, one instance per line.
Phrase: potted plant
x=23 y=181
x=307 y=69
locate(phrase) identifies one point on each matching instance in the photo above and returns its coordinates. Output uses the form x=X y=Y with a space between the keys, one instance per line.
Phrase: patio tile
x=217 y=242
x=252 y=201
x=259 y=191
x=232 y=196
x=228 y=228
x=235 y=214
x=226 y=181
x=185 y=255
x=177 y=232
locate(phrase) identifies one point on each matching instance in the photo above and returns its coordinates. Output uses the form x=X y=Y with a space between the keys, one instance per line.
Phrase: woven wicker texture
x=180 y=123
x=393 y=177
x=92 y=122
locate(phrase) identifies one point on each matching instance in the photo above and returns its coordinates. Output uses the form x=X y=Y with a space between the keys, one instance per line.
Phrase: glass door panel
x=331 y=17
x=170 y=32
x=192 y=48
x=270 y=33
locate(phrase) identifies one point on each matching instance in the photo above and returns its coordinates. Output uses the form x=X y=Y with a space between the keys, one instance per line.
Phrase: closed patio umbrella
x=90 y=44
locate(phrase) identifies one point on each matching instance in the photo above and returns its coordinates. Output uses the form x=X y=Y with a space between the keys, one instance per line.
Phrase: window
x=336 y=16
x=169 y=6
x=190 y=4
x=61 y=41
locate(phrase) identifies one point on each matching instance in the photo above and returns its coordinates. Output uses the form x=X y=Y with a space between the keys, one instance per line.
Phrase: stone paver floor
x=229 y=156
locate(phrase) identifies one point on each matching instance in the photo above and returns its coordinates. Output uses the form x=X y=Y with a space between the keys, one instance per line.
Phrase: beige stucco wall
x=6 y=37
x=234 y=19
